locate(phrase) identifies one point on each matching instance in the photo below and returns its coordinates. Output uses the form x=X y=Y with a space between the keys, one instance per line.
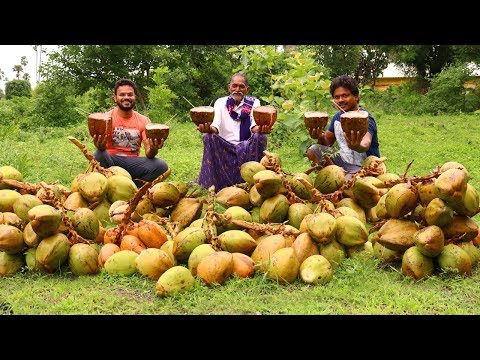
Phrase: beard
x=128 y=105
x=237 y=96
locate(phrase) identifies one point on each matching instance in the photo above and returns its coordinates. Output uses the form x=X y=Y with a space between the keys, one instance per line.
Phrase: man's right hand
x=207 y=128
x=100 y=141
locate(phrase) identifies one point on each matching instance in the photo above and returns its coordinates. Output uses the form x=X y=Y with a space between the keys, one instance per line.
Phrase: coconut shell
x=355 y=120
x=202 y=114
x=315 y=119
x=157 y=131
x=99 y=124
x=265 y=115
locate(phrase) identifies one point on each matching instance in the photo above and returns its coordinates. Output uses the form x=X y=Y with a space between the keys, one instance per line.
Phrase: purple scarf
x=244 y=116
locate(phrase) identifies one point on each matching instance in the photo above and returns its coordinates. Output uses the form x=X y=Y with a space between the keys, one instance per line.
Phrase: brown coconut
x=265 y=115
x=202 y=114
x=354 y=120
x=157 y=131
x=315 y=119
x=99 y=124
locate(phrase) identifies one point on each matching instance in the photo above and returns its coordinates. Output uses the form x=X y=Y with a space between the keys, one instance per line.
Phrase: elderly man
x=233 y=137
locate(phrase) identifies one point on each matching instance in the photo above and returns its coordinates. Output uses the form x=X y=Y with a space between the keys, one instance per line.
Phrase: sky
x=10 y=56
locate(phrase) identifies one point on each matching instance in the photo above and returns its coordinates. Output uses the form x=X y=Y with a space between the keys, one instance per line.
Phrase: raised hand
x=100 y=141
x=206 y=128
x=315 y=133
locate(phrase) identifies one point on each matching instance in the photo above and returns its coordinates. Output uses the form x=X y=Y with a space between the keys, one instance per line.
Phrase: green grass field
x=360 y=285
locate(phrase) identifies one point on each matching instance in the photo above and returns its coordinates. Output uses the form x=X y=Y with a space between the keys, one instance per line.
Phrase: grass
x=360 y=285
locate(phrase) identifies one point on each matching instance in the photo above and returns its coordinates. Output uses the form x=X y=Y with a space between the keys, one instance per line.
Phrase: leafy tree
x=160 y=107
x=340 y=59
x=87 y=66
x=2 y=94
x=426 y=61
x=55 y=105
x=447 y=93
x=198 y=73
x=371 y=65
x=17 y=88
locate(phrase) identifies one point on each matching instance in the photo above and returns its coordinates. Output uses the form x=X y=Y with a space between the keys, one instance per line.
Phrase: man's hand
x=353 y=140
x=100 y=141
x=155 y=144
x=315 y=133
x=207 y=128
x=264 y=129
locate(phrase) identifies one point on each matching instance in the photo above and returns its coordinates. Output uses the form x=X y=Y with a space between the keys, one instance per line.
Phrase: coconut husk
x=315 y=119
x=265 y=115
x=202 y=114
x=99 y=124
x=354 y=120
x=157 y=131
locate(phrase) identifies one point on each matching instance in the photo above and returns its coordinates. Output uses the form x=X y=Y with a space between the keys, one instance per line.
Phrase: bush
x=447 y=93
x=18 y=88
x=96 y=99
x=55 y=106
x=402 y=99
x=17 y=110
x=160 y=97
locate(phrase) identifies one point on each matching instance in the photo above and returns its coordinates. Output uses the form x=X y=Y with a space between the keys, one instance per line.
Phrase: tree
x=427 y=61
x=340 y=59
x=87 y=66
x=371 y=65
x=17 y=88
x=24 y=61
x=18 y=69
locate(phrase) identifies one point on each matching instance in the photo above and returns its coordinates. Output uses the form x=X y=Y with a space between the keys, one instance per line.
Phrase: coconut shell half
x=265 y=115
x=202 y=114
x=156 y=131
x=99 y=124
x=355 y=120
x=315 y=119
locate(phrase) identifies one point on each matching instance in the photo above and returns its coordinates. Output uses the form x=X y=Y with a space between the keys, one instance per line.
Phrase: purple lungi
x=222 y=159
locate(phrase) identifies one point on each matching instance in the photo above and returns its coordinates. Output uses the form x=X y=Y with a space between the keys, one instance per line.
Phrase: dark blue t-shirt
x=372 y=129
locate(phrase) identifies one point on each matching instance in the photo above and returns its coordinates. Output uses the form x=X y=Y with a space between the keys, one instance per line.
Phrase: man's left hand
x=353 y=139
x=155 y=144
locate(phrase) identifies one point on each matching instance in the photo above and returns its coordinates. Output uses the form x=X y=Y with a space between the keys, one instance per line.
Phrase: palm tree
x=18 y=69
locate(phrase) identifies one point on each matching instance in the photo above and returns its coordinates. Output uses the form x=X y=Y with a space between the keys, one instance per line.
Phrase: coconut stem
x=187 y=101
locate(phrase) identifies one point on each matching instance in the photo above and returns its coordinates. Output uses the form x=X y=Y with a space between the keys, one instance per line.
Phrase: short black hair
x=346 y=82
x=125 y=82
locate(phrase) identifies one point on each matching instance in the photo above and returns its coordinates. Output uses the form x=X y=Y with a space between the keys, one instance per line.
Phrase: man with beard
x=354 y=148
x=122 y=146
x=233 y=137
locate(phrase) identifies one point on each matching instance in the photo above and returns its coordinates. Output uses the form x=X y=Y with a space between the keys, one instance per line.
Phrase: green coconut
x=175 y=280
